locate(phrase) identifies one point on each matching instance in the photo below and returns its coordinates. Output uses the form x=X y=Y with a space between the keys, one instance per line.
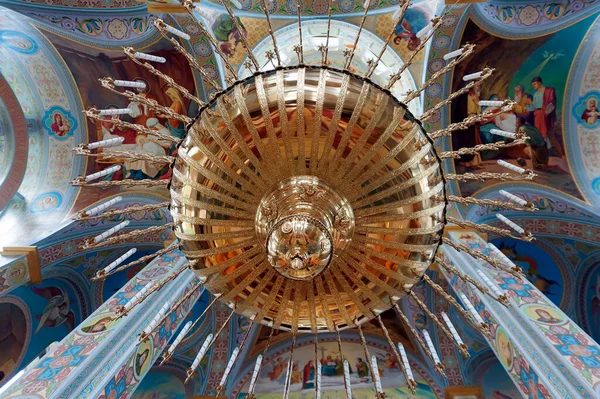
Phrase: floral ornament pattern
x=117 y=28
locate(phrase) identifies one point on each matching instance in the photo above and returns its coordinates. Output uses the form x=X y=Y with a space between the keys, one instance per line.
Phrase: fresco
x=540 y=268
x=159 y=385
x=591 y=301
x=535 y=78
x=413 y=23
x=272 y=378
x=88 y=65
x=13 y=326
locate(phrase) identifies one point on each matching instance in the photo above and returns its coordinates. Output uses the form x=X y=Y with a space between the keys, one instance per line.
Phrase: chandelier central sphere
x=309 y=193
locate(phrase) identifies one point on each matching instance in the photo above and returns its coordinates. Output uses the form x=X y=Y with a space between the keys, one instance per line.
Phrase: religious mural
x=13 y=333
x=160 y=385
x=271 y=381
x=411 y=28
x=540 y=268
x=532 y=72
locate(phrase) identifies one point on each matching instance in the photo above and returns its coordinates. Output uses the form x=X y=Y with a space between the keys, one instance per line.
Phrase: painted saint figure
x=545 y=317
x=60 y=126
x=308 y=375
x=544 y=112
x=227 y=33
x=590 y=115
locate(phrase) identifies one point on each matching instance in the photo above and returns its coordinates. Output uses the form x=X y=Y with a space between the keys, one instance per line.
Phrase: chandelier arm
x=254 y=273
x=482 y=147
x=368 y=200
x=215 y=236
x=403 y=7
x=381 y=141
x=170 y=351
x=366 y=175
x=530 y=207
x=408 y=231
x=260 y=147
x=409 y=381
x=211 y=222
x=283 y=120
x=300 y=126
x=333 y=127
x=397 y=245
x=471 y=120
x=488 y=176
x=312 y=308
x=515 y=271
x=439 y=367
x=323 y=299
x=437 y=22
x=242 y=37
x=269 y=301
x=124 y=310
x=260 y=366
x=198 y=167
x=363 y=342
x=226 y=375
x=261 y=286
x=161 y=110
x=440 y=291
x=252 y=266
x=144 y=336
x=93 y=113
x=100 y=275
x=462 y=349
x=298 y=299
x=338 y=274
x=208 y=192
x=360 y=143
x=82 y=216
x=371 y=275
x=350 y=55
x=284 y=304
x=203 y=253
x=325 y=53
x=189 y=7
x=89 y=243
x=272 y=147
x=318 y=117
x=107 y=153
x=190 y=372
x=468 y=50
x=130 y=52
x=377 y=209
x=330 y=282
x=263 y=5
x=252 y=184
x=486 y=228
x=347 y=135
x=486 y=73
x=404 y=216
x=299 y=48
x=288 y=375
x=359 y=251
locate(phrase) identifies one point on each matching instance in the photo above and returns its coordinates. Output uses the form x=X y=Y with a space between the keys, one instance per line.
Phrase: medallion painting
x=533 y=73
x=272 y=377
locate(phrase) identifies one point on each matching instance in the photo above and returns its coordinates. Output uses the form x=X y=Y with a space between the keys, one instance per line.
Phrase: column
x=544 y=352
x=102 y=357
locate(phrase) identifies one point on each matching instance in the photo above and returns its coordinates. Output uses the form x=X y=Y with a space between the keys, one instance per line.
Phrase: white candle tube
x=137 y=297
x=511 y=166
x=254 y=378
x=375 y=369
x=150 y=57
x=129 y=83
x=99 y=208
x=110 y=231
x=157 y=318
x=176 y=32
x=347 y=379
x=510 y=223
x=425 y=31
x=119 y=260
x=452 y=329
x=115 y=111
x=503 y=133
x=180 y=337
x=490 y=103
x=232 y=359
x=106 y=143
x=490 y=284
x=454 y=54
x=318 y=380
x=405 y=362
x=513 y=198
x=102 y=173
x=472 y=76
x=396 y=14
x=366 y=4
x=237 y=4
x=500 y=254
x=471 y=308
x=288 y=380
x=429 y=343
x=202 y=352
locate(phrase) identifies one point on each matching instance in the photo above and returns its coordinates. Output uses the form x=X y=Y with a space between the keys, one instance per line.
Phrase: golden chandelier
x=306 y=197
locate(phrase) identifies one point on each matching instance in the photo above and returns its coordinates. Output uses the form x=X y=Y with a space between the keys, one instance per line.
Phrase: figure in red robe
x=308 y=375
x=544 y=113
